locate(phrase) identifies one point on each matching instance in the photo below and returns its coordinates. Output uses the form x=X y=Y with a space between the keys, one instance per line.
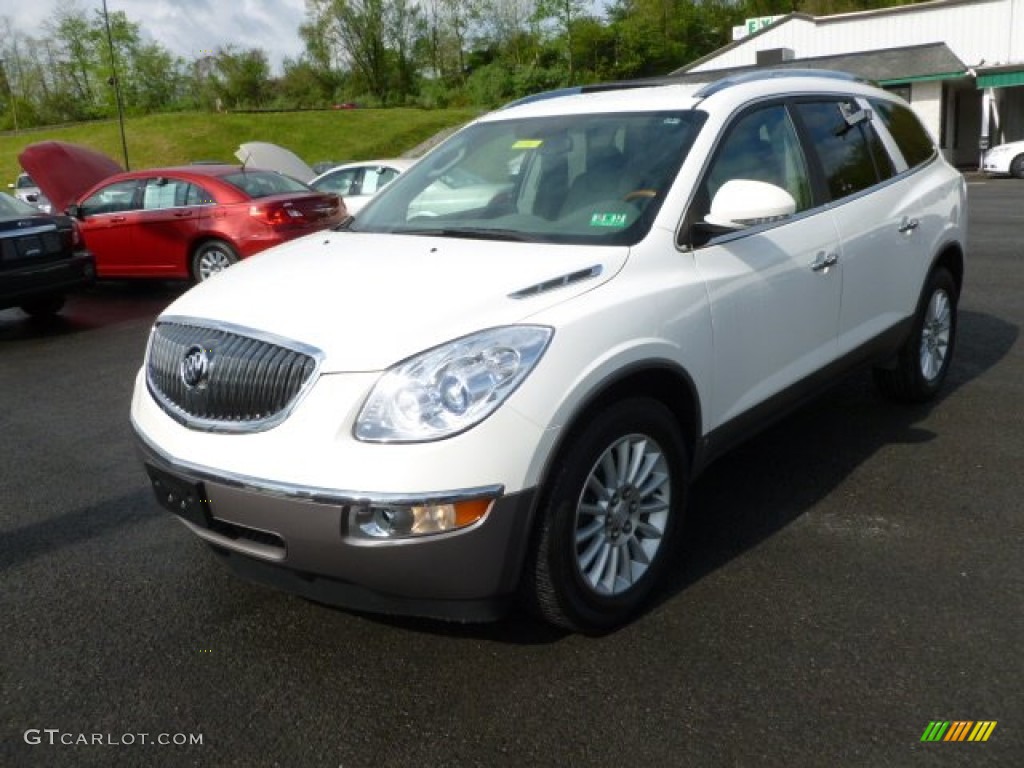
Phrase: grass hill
x=180 y=138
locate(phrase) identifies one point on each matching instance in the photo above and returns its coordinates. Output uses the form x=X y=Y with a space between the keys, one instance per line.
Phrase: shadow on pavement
x=109 y=302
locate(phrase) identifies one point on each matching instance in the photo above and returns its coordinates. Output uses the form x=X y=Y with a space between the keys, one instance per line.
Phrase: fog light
x=400 y=522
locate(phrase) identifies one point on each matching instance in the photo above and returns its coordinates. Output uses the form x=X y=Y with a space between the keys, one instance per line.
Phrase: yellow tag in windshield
x=527 y=144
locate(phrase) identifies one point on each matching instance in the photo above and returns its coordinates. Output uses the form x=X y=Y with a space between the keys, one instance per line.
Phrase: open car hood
x=64 y=171
x=271 y=157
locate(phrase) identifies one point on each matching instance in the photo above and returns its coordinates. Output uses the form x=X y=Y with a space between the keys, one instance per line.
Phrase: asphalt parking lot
x=848 y=577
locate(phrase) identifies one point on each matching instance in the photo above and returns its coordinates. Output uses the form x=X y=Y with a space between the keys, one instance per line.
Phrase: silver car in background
x=25 y=189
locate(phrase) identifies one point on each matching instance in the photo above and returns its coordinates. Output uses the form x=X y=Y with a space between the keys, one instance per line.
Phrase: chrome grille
x=249 y=381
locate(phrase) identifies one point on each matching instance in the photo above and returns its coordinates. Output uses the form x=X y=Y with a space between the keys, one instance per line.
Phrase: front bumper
x=297 y=539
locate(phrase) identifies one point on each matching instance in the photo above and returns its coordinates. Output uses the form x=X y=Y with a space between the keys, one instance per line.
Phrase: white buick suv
x=434 y=409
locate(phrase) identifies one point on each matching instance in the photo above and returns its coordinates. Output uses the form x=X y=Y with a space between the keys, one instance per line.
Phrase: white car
x=358 y=182
x=1005 y=160
x=26 y=190
x=431 y=415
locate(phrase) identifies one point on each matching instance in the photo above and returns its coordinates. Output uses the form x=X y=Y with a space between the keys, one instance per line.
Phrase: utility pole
x=117 y=85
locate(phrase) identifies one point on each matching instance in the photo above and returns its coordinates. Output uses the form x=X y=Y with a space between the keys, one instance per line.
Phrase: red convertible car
x=184 y=222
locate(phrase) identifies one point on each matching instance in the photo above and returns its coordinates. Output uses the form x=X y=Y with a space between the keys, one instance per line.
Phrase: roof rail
x=772 y=74
x=615 y=85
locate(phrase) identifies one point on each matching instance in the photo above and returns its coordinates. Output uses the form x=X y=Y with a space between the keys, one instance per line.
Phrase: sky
x=189 y=28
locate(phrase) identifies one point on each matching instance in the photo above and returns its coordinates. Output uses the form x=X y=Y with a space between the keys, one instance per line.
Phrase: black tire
x=1017 y=167
x=562 y=582
x=47 y=306
x=922 y=364
x=212 y=257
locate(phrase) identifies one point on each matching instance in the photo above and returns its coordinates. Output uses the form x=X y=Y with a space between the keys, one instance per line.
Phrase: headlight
x=448 y=389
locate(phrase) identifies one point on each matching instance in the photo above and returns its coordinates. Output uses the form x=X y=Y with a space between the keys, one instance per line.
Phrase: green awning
x=1001 y=79
x=922 y=78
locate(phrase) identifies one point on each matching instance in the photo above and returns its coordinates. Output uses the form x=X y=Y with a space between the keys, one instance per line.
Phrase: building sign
x=750 y=26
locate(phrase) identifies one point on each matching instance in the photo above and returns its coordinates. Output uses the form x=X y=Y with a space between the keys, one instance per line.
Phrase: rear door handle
x=908 y=225
x=825 y=260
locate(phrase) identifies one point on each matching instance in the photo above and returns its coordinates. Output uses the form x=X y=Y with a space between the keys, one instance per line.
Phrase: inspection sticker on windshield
x=608 y=220
x=527 y=144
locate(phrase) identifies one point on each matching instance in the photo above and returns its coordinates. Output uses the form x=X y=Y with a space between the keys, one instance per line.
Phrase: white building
x=960 y=63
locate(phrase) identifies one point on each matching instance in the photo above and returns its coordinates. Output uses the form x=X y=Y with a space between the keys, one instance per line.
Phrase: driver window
x=342 y=183
x=113 y=198
x=762 y=146
x=375 y=179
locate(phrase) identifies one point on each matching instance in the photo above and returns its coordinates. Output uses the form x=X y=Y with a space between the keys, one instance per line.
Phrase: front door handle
x=908 y=225
x=825 y=260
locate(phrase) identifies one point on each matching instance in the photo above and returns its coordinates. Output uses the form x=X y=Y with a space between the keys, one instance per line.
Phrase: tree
x=241 y=78
x=355 y=31
x=564 y=13
x=403 y=25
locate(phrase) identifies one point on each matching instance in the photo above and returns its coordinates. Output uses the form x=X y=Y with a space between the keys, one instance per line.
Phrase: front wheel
x=922 y=363
x=1017 y=167
x=608 y=519
x=211 y=258
x=44 y=307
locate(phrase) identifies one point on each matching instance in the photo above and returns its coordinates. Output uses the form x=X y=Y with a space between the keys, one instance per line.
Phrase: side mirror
x=74 y=211
x=742 y=203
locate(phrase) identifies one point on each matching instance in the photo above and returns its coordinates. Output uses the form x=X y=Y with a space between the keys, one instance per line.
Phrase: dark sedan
x=42 y=257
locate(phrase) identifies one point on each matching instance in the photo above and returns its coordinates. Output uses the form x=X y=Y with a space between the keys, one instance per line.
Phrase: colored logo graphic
x=958 y=730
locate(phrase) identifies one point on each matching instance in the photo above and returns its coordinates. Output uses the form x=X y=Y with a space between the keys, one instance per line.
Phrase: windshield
x=582 y=178
x=24 y=181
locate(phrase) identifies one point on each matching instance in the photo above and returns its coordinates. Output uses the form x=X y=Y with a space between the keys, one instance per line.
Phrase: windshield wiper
x=471 y=233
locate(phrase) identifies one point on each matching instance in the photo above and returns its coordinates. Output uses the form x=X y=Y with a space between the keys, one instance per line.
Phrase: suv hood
x=369 y=301
x=271 y=157
x=65 y=171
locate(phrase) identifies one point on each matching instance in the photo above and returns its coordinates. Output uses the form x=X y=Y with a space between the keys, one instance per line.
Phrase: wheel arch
x=1016 y=166
x=660 y=380
x=951 y=257
x=198 y=242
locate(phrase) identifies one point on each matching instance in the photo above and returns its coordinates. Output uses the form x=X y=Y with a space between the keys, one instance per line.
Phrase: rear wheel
x=923 y=361
x=44 y=307
x=210 y=258
x=608 y=520
x=1017 y=167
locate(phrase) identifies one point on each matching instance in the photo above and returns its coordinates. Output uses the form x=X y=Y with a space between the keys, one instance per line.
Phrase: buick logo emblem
x=195 y=367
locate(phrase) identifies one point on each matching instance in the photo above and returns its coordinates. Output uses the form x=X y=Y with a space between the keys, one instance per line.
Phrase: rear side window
x=851 y=153
x=910 y=136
